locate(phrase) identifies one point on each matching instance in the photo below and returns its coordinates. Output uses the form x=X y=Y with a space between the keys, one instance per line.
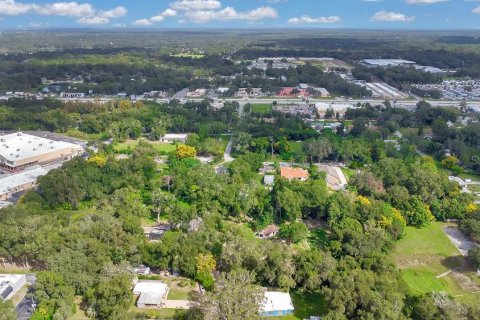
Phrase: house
x=142 y=270
x=222 y=90
x=290 y=173
x=268 y=167
x=151 y=293
x=174 y=137
x=268 y=180
x=197 y=93
x=276 y=304
x=269 y=232
x=10 y=284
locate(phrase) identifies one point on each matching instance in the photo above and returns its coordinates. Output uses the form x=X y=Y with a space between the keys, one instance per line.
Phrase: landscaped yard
x=425 y=254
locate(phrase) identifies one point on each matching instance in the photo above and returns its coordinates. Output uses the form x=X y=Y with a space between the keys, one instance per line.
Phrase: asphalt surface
x=23 y=308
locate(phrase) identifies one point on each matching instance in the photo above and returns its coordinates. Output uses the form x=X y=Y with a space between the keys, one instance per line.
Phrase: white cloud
x=71 y=9
x=424 y=1
x=85 y=13
x=169 y=13
x=391 y=17
x=188 y=5
x=308 y=19
x=276 y=1
x=11 y=8
x=229 y=14
x=476 y=10
x=142 y=22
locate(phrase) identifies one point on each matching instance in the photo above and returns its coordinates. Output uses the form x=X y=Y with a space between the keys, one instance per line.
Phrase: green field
x=128 y=146
x=424 y=254
x=263 y=108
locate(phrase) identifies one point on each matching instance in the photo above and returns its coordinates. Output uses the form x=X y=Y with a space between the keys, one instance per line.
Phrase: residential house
x=290 y=173
x=151 y=293
x=174 y=137
x=269 y=232
x=269 y=180
x=276 y=304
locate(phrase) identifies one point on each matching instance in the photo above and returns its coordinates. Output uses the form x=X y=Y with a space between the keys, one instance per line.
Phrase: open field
x=425 y=257
x=128 y=146
x=263 y=108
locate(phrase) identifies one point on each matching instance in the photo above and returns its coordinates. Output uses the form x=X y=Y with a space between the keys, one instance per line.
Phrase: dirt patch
x=417 y=260
x=464 y=281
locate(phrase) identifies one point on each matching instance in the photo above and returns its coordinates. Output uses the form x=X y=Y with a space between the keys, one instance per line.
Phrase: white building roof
x=19 y=146
x=276 y=301
x=151 y=287
x=12 y=181
x=8 y=283
x=4 y=204
x=387 y=62
x=174 y=136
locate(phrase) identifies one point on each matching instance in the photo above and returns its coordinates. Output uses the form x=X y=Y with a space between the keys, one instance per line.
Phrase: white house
x=151 y=293
x=174 y=137
x=276 y=304
x=10 y=284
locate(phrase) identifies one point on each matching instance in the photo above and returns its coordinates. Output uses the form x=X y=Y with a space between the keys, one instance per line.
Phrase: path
x=176 y=304
x=459 y=240
x=226 y=155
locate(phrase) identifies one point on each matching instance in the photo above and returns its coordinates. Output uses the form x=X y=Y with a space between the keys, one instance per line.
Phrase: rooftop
x=150 y=286
x=294 y=173
x=387 y=62
x=275 y=301
x=20 y=146
x=12 y=181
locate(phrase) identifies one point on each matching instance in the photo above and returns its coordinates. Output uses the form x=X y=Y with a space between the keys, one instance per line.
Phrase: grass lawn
x=423 y=254
x=465 y=175
x=128 y=146
x=158 y=313
x=306 y=305
x=263 y=108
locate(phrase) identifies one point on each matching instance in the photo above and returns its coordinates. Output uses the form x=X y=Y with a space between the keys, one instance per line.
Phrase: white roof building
x=152 y=293
x=173 y=137
x=276 y=304
x=20 y=182
x=20 y=149
x=386 y=62
x=10 y=284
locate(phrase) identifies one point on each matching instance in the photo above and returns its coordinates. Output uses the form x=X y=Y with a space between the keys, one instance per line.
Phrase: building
x=246 y=92
x=290 y=173
x=386 y=62
x=175 y=137
x=72 y=95
x=269 y=180
x=276 y=304
x=269 y=232
x=4 y=204
x=292 y=92
x=19 y=150
x=10 y=284
x=151 y=293
x=197 y=93
x=20 y=182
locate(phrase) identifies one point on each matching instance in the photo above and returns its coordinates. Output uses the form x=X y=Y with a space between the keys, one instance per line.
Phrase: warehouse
x=20 y=182
x=19 y=150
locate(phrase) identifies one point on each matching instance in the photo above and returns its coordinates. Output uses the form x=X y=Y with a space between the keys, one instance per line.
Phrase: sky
x=157 y=14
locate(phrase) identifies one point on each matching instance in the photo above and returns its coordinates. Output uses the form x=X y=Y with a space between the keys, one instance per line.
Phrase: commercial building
x=151 y=293
x=276 y=304
x=19 y=150
x=20 y=182
x=386 y=62
x=72 y=95
x=10 y=284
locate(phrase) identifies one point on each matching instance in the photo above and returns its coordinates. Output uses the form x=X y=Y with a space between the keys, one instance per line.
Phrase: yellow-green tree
x=184 y=151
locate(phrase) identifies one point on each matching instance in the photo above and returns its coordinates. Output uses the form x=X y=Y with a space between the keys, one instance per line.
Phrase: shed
x=276 y=304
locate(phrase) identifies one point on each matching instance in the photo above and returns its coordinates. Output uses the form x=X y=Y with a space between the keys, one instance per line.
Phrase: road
x=23 y=308
x=226 y=156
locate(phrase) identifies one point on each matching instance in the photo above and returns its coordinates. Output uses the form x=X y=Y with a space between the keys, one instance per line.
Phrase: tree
x=184 y=152
x=233 y=297
x=7 y=312
x=112 y=297
x=474 y=256
x=293 y=232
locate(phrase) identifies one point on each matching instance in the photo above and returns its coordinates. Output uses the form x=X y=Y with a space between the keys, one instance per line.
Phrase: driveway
x=176 y=304
x=24 y=307
x=459 y=240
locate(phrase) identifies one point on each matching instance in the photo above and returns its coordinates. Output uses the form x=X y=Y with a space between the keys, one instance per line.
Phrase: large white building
x=10 y=284
x=20 y=150
x=386 y=62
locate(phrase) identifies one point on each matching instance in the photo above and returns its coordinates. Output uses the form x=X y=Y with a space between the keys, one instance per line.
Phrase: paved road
x=23 y=308
x=459 y=240
x=226 y=156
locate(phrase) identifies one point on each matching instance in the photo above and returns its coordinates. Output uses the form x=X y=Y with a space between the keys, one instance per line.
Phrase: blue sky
x=369 y=14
